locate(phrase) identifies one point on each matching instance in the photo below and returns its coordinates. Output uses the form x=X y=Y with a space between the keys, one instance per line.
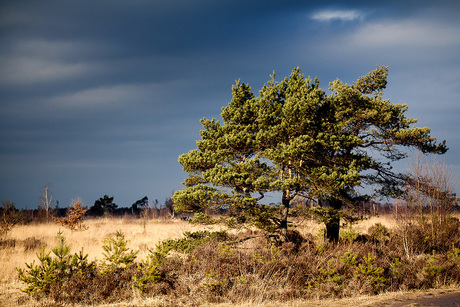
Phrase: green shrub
x=191 y=241
x=116 y=254
x=349 y=259
x=453 y=255
x=349 y=234
x=39 y=277
x=150 y=273
x=378 y=233
x=396 y=266
x=373 y=275
x=53 y=267
x=432 y=267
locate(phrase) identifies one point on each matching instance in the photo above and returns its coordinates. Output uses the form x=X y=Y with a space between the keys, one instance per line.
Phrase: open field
x=29 y=238
x=26 y=240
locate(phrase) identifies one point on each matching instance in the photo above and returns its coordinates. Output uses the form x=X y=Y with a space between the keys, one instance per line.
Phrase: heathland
x=172 y=262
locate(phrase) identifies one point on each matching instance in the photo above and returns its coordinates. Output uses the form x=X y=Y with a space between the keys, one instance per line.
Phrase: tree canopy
x=140 y=204
x=103 y=205
x=296 y=139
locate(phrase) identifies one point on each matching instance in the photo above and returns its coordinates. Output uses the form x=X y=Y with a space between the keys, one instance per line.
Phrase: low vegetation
x=223 y=266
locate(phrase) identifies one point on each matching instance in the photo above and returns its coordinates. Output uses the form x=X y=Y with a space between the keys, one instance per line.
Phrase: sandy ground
x=11 y=296
x=429 y=298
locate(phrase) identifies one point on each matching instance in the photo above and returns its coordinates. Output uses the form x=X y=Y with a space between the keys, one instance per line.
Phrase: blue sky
x=101 y=97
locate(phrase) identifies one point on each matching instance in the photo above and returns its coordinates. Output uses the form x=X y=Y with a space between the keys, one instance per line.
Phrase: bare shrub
x=90 y=287
x=424 y=217
x=8 y=217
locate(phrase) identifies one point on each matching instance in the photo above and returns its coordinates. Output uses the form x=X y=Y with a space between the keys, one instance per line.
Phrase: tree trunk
x=331 y=218
x=284 y=218
x=332 y=229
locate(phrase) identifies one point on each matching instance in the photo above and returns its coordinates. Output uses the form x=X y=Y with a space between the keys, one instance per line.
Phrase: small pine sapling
x=54 y=266
x=116 y=254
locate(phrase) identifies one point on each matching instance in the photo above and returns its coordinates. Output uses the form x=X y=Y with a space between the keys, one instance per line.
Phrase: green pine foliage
x=149 y=272
x=116 y=254
x=299 y=141
x=57 y=264
x=39 y=277
x=191 y=241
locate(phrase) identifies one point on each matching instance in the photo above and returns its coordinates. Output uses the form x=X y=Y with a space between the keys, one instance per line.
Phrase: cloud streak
x=84 y=85
x=412 y=33
x=341 y=15
x=28 y=70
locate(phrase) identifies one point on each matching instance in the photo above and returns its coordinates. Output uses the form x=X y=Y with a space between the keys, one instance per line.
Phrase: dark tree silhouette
x=103 y=205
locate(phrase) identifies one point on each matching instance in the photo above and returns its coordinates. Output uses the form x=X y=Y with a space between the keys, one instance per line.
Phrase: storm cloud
x=100 y=97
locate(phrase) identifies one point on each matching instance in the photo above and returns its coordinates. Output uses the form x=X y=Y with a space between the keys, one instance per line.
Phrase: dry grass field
x=29 y=238
x=24 y=241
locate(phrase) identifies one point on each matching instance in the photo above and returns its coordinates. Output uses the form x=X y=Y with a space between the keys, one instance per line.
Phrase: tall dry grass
x=24 y=241
x=28 y=239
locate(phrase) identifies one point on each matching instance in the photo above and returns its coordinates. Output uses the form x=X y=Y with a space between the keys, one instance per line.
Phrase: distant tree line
x=10 y=215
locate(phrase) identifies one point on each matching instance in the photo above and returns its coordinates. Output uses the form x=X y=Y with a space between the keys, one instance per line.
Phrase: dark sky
x=101 y=97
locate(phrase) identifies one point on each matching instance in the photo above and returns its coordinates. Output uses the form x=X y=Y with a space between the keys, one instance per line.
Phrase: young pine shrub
x=378 y=233
x=432 y=267
x=347 y=270
x=55 y=267
x=349 y=234
x=149 y=270
x=149 y=274
x=116 y=253
x=38 y=277
x=73 y=279
x=371 y=275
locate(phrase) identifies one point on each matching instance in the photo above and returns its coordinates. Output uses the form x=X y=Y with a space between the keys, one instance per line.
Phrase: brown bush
x=90 y=287
x=7 y=243
x=32 y=243
x=74 y=218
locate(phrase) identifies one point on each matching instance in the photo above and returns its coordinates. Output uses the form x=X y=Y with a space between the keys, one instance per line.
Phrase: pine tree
x=296 y=140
